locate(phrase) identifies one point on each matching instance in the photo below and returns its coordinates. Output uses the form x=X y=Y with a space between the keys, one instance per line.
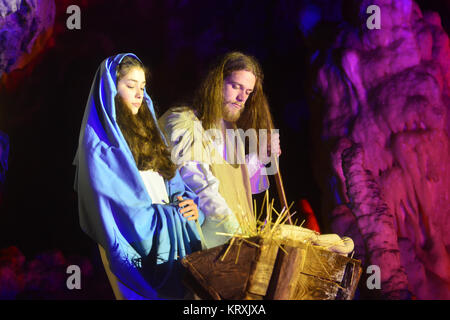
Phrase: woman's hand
x=190 y=210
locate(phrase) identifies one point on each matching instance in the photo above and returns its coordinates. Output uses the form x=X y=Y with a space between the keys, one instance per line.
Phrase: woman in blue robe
x=131 y=199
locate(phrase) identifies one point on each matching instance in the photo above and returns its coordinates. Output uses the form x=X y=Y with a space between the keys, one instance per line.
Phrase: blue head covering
x=142 y=240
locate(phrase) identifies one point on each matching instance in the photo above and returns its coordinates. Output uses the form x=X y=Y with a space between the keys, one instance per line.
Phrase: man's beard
x=231 y=115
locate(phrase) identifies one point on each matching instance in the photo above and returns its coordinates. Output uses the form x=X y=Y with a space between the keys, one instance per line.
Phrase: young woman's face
x=131 y=89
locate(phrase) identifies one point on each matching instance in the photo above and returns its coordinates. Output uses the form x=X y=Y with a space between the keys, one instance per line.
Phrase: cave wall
x=386 y=119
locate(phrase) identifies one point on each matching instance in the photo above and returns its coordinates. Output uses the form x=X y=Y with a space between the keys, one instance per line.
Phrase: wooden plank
x=350 y=281
x=313 y=288
x=324 y=264
x=225 y=279
x=310 y=272
x=286 y=273
x=195 y=281
x=262 y=267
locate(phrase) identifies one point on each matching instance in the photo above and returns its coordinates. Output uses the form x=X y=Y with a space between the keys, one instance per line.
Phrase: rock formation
x=25 y=26
x=387 y=102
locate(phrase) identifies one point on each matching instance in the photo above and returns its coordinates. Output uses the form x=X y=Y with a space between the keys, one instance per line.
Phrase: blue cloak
x=143 y=241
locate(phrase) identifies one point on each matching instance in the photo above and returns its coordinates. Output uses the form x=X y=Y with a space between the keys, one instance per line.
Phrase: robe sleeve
x=258 y=182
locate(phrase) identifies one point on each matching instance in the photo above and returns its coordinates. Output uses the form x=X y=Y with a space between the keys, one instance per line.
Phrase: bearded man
x=230 y=101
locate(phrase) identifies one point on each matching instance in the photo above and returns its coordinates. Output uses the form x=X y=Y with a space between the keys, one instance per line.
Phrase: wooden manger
x=259 y=268
x=275 y=261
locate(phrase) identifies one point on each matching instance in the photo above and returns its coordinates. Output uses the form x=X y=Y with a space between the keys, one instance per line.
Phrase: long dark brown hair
x=140 y=131
x=208 y=100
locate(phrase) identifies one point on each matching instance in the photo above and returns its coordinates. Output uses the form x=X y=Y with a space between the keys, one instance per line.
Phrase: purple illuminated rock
x=387 y=106
x=8 y=7
x=21 y=25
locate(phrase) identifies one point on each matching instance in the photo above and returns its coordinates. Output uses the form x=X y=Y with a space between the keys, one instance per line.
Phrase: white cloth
x=331 y=242
x=155 y=186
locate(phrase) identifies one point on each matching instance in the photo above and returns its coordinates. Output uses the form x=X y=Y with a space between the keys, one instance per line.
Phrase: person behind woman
x=131 y=199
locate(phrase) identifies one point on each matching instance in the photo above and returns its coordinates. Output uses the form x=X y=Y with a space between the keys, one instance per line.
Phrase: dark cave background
x=42 y=104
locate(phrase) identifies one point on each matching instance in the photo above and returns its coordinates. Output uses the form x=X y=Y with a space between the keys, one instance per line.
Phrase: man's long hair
x=208 y=100
x=141 y=133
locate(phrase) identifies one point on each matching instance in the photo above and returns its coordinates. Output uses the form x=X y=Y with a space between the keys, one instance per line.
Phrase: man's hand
x=190 y=210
